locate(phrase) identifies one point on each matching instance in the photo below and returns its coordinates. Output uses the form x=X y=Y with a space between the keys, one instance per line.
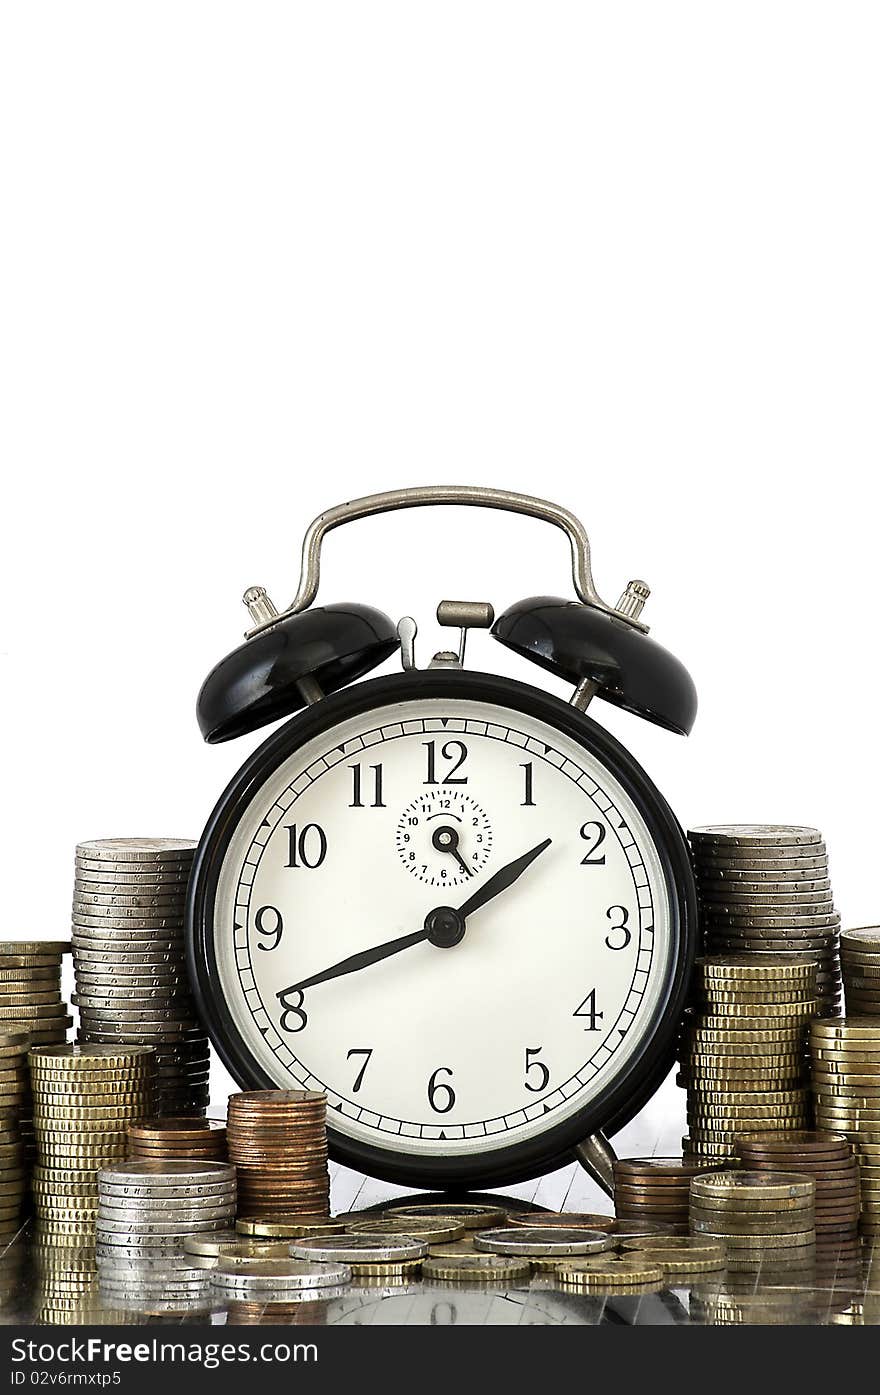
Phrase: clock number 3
x=620 y=915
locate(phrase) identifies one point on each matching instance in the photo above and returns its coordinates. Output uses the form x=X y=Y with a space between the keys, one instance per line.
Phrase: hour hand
x=445 y=839
x=363 y=960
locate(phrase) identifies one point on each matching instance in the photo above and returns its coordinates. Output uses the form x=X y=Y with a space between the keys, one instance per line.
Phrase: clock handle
x=476 y=496
x=597 y=1157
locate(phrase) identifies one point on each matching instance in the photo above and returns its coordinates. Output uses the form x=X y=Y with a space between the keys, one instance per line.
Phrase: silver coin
x=172 y=1174
x=105 y=868
x=116 y=1248
x=543 y=1240
x=153 y=1006
x=138 y=1229
x=259 y=1275
x=136 y=1193
x=129 y=901
x=123 y=956
x=756 y=871
x=128 y=977
x=103 y=874
x=81 y=921
x=138 y=848
x=750 y=835
x=127 y=941
x=143 y=908
x=169 y=1213
x=722 y=899
x=359 y=1248
x=112 y=985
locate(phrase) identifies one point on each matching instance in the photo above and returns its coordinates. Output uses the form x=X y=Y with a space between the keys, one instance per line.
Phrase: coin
x=289 y=1226
x=539 y=1241
x=471 y=1216
x=169 y=1173
x=239 y=1275
x=358 y=1249
x=754 y=835
x=435 y=1231
x=610 y=1274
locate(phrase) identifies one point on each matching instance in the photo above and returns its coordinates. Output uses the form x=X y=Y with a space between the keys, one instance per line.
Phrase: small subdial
x=444 y=838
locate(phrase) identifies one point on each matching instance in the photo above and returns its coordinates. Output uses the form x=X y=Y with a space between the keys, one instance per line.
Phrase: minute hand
x=502 y=879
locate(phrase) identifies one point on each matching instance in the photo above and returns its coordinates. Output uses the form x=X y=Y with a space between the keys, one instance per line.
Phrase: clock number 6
x=435 y=1089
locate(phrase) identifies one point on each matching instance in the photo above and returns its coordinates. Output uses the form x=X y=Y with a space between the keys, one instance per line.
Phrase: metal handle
x=476 y=496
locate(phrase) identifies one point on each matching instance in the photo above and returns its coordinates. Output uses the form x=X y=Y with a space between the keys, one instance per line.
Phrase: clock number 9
x=622 y=915
x=275 y=929
x=435 y=1089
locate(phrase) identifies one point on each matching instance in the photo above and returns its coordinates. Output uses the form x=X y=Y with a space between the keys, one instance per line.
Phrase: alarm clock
x=448 y=899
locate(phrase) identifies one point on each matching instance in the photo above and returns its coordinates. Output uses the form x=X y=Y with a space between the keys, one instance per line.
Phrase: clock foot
x=597 y=1157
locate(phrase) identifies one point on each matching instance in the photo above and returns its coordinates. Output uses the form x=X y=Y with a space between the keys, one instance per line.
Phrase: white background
x=260 y=258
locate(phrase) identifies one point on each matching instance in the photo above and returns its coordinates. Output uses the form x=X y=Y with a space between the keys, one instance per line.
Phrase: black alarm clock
x=448 y=899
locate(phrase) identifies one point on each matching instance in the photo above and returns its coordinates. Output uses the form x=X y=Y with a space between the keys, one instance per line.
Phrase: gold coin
x=593 y=1275
x=475 y=1267
x=291 y=1226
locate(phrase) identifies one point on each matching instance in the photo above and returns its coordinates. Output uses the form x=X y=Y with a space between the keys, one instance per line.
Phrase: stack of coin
x=278 y=1142
x=656 y=1189
x=683 y=1258
x=827 y=1158
x=860 y=961
x=14 y=1099
x=180 y=1137
x=764 y=888
x=846 y=1088
x=129 y=962
x=744 y=1049
x=84 y=1099
x=241 y=1279
x=614 y=1275
x=545 y=1247
x=30 y=1001
x=767 y=1221
x=146 y=1210
x=388 y=1256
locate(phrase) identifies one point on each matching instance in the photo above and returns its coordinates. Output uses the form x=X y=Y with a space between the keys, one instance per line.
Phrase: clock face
x=493 y=1029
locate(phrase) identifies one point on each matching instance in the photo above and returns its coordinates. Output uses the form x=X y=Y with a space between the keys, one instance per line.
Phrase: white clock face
x=487 y=1033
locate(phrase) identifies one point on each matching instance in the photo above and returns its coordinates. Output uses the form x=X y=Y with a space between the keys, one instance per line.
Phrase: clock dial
x=457 y=1043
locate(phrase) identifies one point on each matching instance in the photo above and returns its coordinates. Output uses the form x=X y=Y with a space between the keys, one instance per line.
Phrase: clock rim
x=613 y=1107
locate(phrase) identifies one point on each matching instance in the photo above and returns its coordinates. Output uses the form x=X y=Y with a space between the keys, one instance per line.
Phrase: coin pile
x=30 y=1001
x=84 y=1099
x=827 y=1158
x=180 y=1137
x=278 y=1142
x=476 y=1269
x=656 y=1189
x=846 y=1089
x=682 y=1258
x=14 y=1098
x=765 y=889
x=243 y=1279
x=860 y=961
x=744 y=1049
x=545 y=1247
x=146 y=1211
x=129 y=963
x=380 y=1255
x=615 y=1275
x=767 y=1221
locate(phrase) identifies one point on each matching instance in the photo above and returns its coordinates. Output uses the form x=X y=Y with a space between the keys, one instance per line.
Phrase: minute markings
x=502 y=735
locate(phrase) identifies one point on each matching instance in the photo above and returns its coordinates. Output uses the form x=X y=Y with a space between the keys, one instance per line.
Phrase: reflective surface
x=62 y=1285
